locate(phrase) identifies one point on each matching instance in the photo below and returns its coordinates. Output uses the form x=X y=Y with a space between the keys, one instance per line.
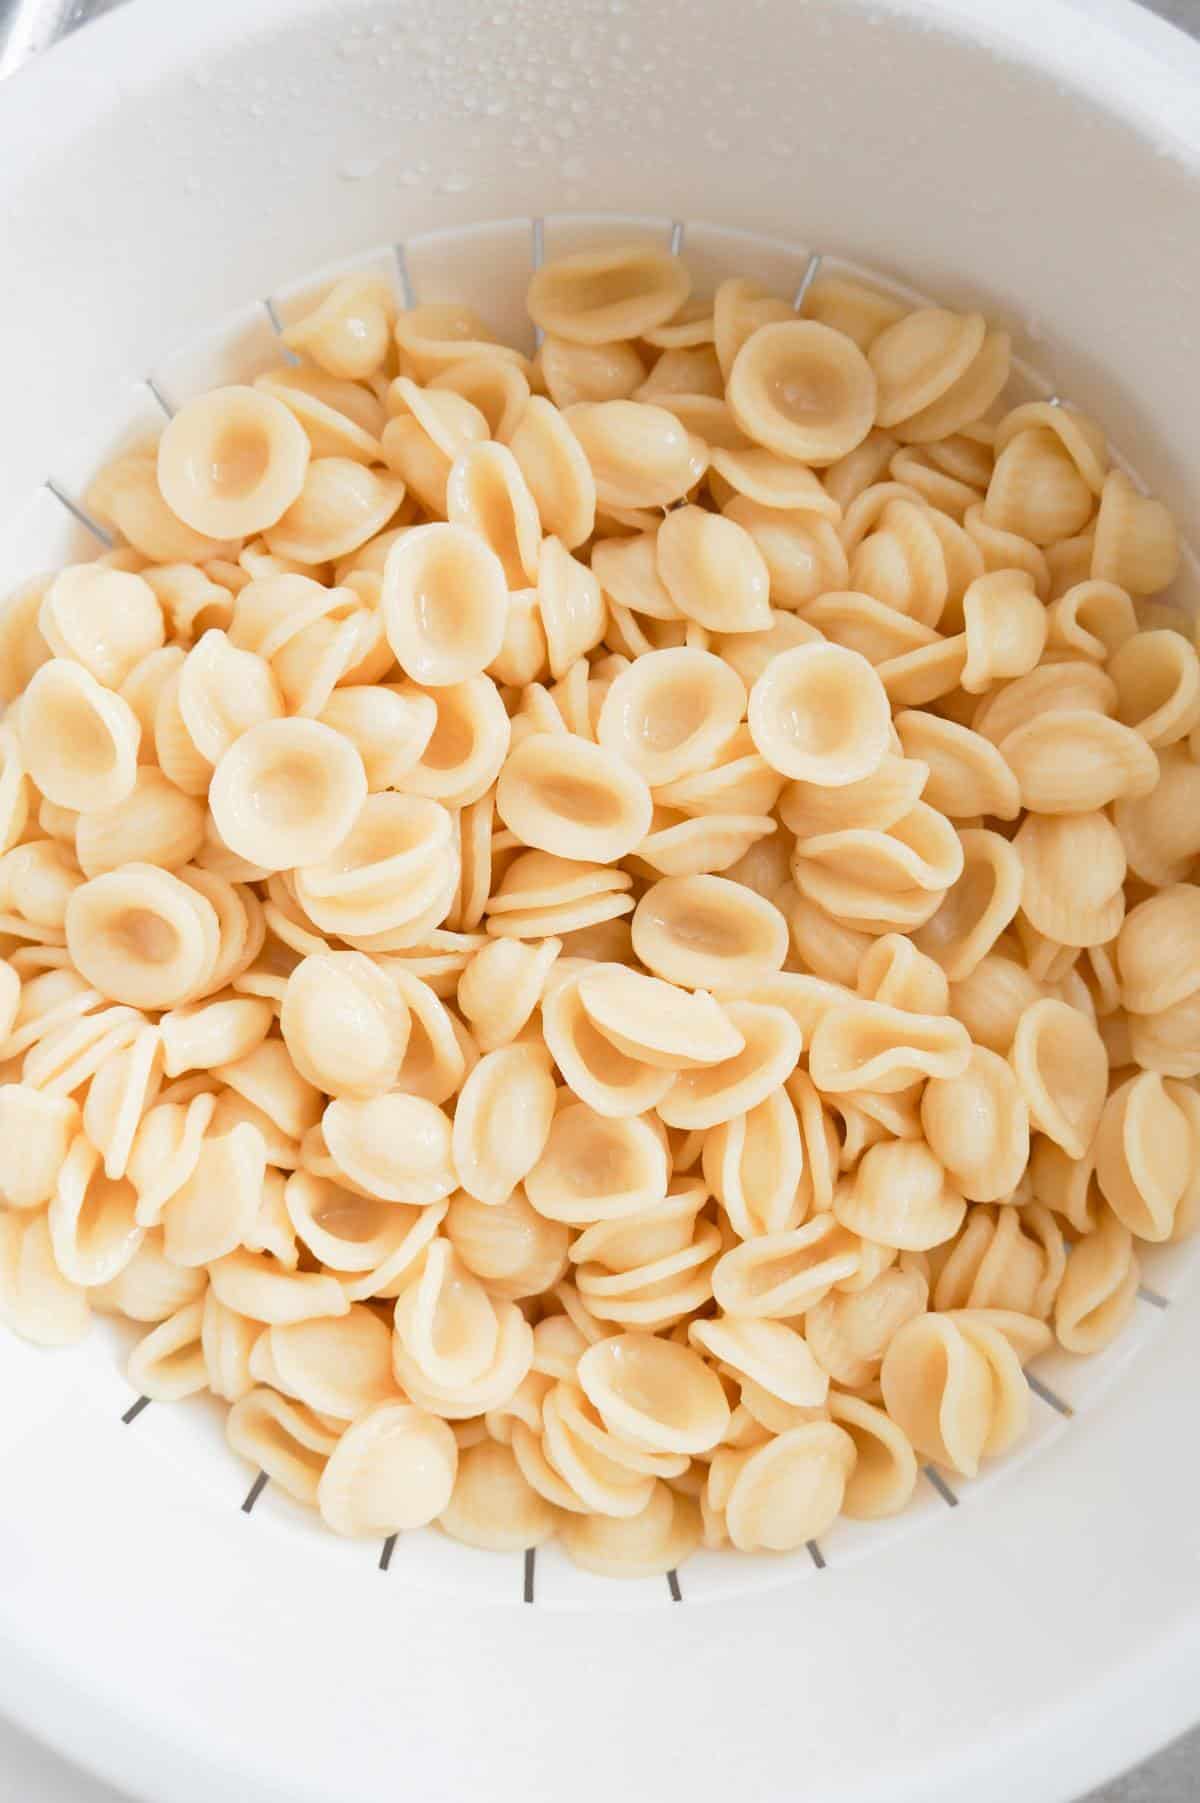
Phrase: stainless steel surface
x=28 y=1772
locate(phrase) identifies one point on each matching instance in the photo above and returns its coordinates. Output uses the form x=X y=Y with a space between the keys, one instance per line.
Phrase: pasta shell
x=502 y=1121
x=713 y=571
x=705 y=932
x=920 y=357
x=599 y=1074
x=1145 y=1155
x=1065 y=687
x=779 y=1275
x=396 y=1147
x=956 y=1390
x=494 y=1506
x=1036 y=491
x=753 y=1164
x=598 y=295
x=231 y=462
x=563 y=794
x=895 y=973
x=654 y=1394
x=282 y=1438
x=900 y=1196
x=1092 y=619
x=819 y=714
x=211 y=1213
x=392 y=1469
x=800 y=550
x=340 y=418
x=1136 y=544
x=1077 y=762
x=286 y=791
x=849 y=1331
x=1074 y=866
x=597 y=1168
x=656 y=1024
x=1158 y=686
x=339 y=1366
x=790 y=1491
x=867 y=1046
x=1098 y=1293
x=348 y=334
x=1061 y=1066
x=967 y=775
x=1009 y=1259
x=670 y=712
x=78 y=740
x=802 y=389
x=1161 y=831
x=156 y=823
x=516 y=1251
x=106 y=620
x=978 y=1126
x=707 y=1097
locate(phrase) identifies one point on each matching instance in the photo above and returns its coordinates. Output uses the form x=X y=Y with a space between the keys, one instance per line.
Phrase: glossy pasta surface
x=604 y=946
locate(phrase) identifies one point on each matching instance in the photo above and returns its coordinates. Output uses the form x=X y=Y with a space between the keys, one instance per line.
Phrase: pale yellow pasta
x=562 y=794
x=654 y=1393
x=118 y=1096
x=598 y=1168
x=776 y=1276
x=577 y=932
x=1061 y=1067
x=1008 y=1258
x=1098 y=1291
x=978 y=1126
x=78 y=740
x=918 y=358
x=901 y=1195
x=392 y=1469
x=598 y=295
x=790 y=1490
x=344 y=1024
x=340 y=418
x=955 y=1387
x=865 y=1045
x=1146 y=1148
x=802 y=389
x=283 y=1439
x=819 y=714
x=445 y=603
x=716 y=1093
x=106 y=620
x=800 y=549
x=502 y=1121
x=639 y=454
x=286 y=792
x=713 y=571
x=150 y=1287
x=1136 y=544
x=348 y=333
x=849 y=1331
x=514 y=1249
x=142 y=936
x=168 y=1363
x=231 y=462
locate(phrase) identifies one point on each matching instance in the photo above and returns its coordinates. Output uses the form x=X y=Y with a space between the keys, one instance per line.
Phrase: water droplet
x=455 y=183
x=358 y=169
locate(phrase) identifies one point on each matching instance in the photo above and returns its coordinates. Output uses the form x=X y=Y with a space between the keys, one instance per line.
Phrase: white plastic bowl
x=160 y=178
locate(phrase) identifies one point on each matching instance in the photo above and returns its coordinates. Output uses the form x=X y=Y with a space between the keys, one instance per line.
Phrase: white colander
x=172 y=185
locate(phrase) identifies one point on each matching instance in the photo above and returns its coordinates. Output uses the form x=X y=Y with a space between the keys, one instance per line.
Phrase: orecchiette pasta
x=604 y=946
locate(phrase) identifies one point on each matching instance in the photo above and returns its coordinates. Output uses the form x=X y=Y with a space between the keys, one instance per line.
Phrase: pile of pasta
x=604 y=944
